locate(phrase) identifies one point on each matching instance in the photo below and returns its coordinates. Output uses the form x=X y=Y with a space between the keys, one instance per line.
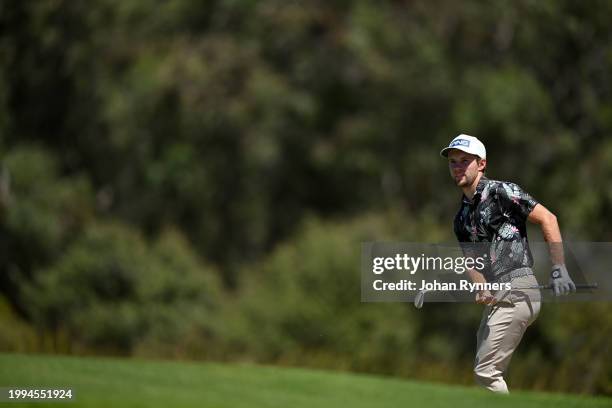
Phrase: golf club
x=420 y=297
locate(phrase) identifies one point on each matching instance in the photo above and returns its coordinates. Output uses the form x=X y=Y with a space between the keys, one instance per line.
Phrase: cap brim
x=444 y=152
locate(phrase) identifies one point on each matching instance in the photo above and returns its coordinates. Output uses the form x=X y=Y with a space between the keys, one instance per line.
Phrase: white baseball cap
x=468 y=144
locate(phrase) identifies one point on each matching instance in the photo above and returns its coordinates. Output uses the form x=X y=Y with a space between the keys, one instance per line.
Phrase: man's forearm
x=552 y=235
x=550 y=229
x=482 y=296
x=475 y=276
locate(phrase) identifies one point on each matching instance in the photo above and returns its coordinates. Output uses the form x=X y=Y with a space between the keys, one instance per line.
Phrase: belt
x=513 y=274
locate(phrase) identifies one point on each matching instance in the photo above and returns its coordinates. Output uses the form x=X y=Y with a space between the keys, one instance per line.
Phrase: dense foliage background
x=192 y=179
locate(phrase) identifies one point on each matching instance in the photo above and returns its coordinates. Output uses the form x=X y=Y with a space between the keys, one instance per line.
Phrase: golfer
x=491 y=221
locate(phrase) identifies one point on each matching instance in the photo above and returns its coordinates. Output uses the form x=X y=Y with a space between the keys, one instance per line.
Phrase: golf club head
x=419 y=298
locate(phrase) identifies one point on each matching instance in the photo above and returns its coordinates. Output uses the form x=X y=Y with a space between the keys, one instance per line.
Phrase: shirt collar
x=479 y=187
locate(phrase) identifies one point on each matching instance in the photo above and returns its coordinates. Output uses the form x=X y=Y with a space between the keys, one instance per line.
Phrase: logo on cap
x=460 y=142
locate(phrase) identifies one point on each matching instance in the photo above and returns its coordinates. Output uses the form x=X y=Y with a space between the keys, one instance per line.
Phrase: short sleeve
x=514 y=199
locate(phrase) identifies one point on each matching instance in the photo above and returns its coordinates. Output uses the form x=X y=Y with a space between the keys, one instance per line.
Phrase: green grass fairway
x=105 y=382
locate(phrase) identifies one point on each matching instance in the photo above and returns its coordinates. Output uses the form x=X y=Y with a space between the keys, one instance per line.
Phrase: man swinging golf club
x=491 y=220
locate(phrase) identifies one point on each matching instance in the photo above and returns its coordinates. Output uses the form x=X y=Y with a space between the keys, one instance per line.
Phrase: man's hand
x=560 y=280
x=484 y=297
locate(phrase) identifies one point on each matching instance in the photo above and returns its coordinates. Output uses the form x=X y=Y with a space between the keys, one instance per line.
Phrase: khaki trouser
x=501 y=330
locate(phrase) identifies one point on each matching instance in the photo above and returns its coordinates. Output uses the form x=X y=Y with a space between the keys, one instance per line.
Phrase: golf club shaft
x=578 y=286
x=420 y=297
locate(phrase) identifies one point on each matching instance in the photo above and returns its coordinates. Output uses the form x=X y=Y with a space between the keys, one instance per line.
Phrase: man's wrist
x=557 y=271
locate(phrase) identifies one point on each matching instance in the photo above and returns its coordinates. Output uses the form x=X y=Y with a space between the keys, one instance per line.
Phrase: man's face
x=464 y=167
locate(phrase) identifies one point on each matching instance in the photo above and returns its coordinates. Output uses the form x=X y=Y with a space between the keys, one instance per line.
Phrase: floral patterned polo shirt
x=492 y=225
